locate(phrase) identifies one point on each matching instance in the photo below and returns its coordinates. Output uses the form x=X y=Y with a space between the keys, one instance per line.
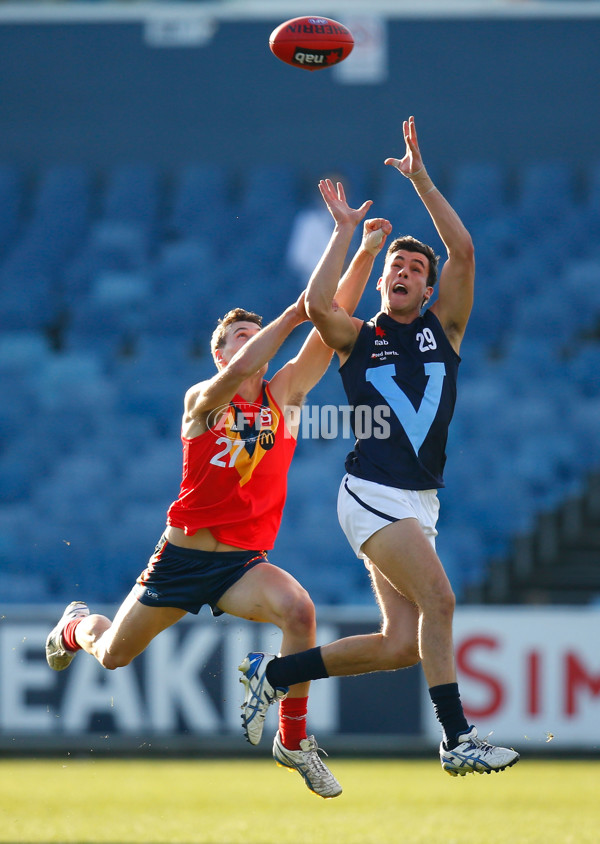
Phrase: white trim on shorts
x=364 y=507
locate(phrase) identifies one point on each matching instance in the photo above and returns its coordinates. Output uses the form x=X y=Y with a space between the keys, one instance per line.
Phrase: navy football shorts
x=187 y=579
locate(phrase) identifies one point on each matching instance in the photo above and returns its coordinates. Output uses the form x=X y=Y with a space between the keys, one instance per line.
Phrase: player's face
x=403 y=285
x=237 y=335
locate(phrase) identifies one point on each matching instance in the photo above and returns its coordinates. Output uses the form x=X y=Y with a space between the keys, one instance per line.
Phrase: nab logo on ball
x=314 y=59
x=311 y=43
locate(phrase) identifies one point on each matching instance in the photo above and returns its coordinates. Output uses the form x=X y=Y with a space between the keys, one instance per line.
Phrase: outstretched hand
x=375 y=232
x=338 y=207
x=412 y=162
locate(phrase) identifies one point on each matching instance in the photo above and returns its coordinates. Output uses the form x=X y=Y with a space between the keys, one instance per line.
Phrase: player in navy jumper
x=403 y=365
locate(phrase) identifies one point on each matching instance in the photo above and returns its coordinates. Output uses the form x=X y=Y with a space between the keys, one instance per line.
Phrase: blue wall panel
x=509 y=90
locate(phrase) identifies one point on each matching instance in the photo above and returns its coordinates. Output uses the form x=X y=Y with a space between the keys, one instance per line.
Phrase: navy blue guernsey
x=406 y=375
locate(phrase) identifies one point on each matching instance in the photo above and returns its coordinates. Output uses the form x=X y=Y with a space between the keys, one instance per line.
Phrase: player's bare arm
x=456 y=284
x=248 y=362
x=300 y=374
x=326 y=309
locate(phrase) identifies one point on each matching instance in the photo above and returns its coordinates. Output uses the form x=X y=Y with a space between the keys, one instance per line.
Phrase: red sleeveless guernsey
x=235 y=475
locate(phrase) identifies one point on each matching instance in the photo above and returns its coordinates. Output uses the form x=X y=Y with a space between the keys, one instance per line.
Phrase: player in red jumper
x=239 y=434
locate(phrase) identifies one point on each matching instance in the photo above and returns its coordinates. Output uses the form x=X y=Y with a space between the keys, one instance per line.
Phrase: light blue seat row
x=133 y=309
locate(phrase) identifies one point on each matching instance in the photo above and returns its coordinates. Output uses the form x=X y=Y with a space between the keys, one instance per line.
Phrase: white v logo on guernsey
x=416 y=423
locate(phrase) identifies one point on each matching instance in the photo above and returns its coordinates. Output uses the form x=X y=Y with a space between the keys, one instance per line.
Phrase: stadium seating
x=478 y=191
x=11 y=197
x=110 y=288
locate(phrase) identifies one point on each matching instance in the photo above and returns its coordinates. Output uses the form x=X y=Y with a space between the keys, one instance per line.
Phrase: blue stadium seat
x=553 y=320
x=28 y=301
x=582 y=280
x=478 y=190
x=102 y=446
x=592 y=201
x=201 y=202
x=131 y=195
x=584 y=369
x=461 y=549
x=11 y=204
x=164 y=353
x=154 y=476
x=111 y=246
x=396 y=199
x=270 y=189
x=160 y=397
x=72 y=382
x=116 y=437
x=75 y=503
x=18 y=586
x=546 y=192
x=582 y=419
x=17 y=475
x=129 y=544
x=57 y=224
x=116 y=308
x=121 y=289
x=13 y=412
x=184 y=266
x=28 y=277
x=22 y=352
x=260 y=253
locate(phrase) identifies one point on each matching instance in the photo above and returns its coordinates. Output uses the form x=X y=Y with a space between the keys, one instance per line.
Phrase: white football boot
x=57 y=656
x=475 y=756
x=309 y=765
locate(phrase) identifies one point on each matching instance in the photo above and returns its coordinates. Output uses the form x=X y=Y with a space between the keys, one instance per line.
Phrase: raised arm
x=300 y=374
x=328 y=306
x=456 y=284
x=246 y=362
x=354 y=280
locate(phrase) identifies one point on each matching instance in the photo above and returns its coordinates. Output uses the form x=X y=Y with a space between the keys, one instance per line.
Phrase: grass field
x=255 y=802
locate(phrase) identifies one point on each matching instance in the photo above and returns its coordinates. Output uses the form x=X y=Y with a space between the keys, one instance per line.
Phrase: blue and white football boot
x=260 y=694
x=475 y=756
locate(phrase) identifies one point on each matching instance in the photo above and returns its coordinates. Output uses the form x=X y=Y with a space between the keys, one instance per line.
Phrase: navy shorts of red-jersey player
x=187 y=579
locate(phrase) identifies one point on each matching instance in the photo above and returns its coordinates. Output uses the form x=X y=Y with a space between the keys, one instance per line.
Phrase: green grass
x=255 y=802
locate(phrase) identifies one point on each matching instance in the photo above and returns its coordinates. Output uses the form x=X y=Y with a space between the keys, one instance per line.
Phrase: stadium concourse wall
x=530 y=675
x=104 y=83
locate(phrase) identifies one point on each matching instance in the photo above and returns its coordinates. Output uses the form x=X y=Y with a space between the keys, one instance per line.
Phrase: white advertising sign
x=529 y=675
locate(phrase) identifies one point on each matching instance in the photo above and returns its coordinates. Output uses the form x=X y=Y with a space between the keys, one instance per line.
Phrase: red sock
x=292 y=721
x=68 y=635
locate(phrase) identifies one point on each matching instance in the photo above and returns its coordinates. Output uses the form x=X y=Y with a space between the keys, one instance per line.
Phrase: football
x=311 y=43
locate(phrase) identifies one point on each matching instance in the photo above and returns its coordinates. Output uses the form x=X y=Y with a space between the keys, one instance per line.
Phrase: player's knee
x=399 y=653
x=299 y=613
x=114 y=660
x=446 y=601
x=440 y=600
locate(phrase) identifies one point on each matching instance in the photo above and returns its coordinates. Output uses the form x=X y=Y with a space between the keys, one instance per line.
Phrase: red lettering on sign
x=577 y=678
x=533 y=683
x=496 y=692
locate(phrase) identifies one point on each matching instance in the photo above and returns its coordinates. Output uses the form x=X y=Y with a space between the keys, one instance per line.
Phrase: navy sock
x=296 y=668
x=449 y=712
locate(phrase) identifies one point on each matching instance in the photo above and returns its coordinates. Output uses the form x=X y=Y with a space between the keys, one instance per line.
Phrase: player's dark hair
x=219 y=335
x=411 y=244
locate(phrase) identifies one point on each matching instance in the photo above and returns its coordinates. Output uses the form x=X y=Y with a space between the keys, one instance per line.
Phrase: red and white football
x=311 y=43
